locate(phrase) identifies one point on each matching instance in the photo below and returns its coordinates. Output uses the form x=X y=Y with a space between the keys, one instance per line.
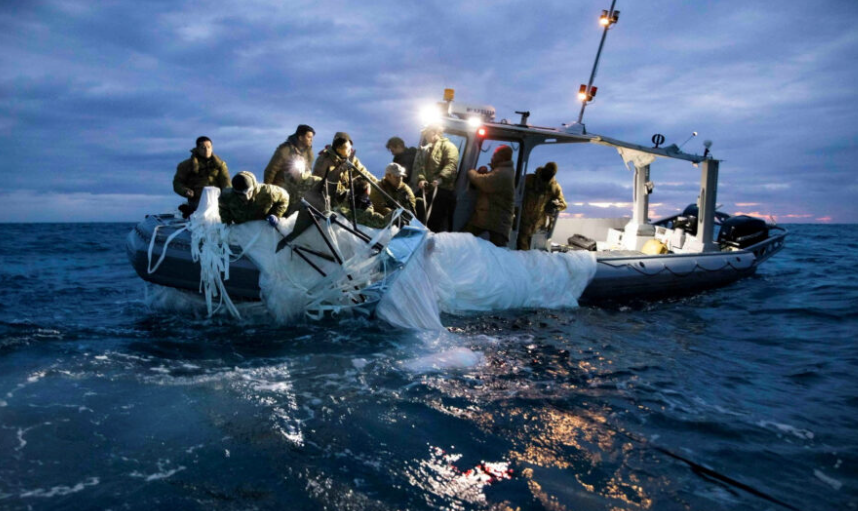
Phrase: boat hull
x=178 y=269
x=659 y=276
x=626 y=278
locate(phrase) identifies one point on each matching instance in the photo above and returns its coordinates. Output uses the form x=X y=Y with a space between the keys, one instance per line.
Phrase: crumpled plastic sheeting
x=458 y=273
x=288 y=284
x=411 y=302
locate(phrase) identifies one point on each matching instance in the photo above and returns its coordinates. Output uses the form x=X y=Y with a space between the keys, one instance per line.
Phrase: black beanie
x=240 y=183
x=549 y=171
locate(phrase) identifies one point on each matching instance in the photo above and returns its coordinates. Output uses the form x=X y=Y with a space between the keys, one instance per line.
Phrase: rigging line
x=163 y=250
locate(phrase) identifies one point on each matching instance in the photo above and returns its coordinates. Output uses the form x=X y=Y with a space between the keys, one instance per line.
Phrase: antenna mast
x=586 y=93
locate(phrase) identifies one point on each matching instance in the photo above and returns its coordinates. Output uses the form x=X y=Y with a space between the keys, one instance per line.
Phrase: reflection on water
x=439 y=476
x=101 y=397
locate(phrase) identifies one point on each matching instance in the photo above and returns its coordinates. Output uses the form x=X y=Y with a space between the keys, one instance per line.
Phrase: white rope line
x=149 y=267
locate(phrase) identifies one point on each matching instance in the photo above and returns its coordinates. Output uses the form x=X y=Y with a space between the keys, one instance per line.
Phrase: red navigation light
x=593 y=92
x=481 y=132
x=582 y=92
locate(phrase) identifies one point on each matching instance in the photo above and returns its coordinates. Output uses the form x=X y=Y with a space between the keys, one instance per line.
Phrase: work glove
x=272 y=220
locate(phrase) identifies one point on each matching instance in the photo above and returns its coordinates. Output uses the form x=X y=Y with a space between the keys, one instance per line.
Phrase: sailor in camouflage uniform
x=247 y=201
x=435 y=168
x=203 y=168
x=296 y=153
x=393 y=185
x=332 y=161
x=366 y=215
x=543 y=198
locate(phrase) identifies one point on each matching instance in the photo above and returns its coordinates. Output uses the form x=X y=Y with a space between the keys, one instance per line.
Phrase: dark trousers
x=441 y=217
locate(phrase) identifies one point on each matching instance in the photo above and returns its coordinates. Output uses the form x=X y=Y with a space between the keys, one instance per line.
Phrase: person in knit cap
x=543 y=199
x=495 y=205
x=247 y=201
x=334 y=162
x=203 y=168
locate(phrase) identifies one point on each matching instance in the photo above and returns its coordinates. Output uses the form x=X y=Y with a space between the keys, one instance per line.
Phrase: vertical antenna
x=586 y=93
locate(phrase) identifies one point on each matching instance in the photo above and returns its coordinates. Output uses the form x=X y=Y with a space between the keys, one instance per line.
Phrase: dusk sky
x=99 y=101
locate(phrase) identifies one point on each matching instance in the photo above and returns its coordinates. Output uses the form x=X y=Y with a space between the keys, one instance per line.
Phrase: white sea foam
x=162 y=473
x=834 y=483
x=454 y=358
x=803 y=434
x=60 y=490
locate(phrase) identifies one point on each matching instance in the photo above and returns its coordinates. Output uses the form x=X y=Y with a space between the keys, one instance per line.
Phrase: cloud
x=107 y=98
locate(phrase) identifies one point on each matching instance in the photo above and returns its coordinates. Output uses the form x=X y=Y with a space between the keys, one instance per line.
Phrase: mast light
x=585 y=95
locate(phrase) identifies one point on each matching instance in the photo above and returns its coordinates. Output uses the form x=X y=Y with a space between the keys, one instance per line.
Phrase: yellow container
x=654 y=247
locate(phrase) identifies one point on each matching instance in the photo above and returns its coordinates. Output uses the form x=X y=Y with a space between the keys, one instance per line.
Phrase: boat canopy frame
x=641 y=156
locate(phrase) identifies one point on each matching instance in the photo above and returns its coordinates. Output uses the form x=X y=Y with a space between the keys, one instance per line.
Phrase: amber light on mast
x=587 y=92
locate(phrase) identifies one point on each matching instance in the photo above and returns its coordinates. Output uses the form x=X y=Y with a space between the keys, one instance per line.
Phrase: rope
x=429 y=209
x=149 y=267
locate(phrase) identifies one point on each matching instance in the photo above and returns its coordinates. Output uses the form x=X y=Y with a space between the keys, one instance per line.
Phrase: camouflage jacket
x=196 y=173
x=537 y=196
x=437 y=161
x=297 y=188
x=403 y=195
x=338 y=177
x=266 y=200
x=367 y=217
x=285 y=156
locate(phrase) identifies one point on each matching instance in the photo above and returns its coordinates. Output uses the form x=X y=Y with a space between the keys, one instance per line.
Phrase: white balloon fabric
x=454 y=273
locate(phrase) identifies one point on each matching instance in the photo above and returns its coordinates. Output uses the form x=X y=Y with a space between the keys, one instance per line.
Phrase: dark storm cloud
x=100 y=101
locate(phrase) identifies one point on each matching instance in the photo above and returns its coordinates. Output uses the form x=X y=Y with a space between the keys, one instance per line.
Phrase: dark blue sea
x=742 y=398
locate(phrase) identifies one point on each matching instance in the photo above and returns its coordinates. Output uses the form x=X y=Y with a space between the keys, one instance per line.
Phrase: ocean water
x=742 y=398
